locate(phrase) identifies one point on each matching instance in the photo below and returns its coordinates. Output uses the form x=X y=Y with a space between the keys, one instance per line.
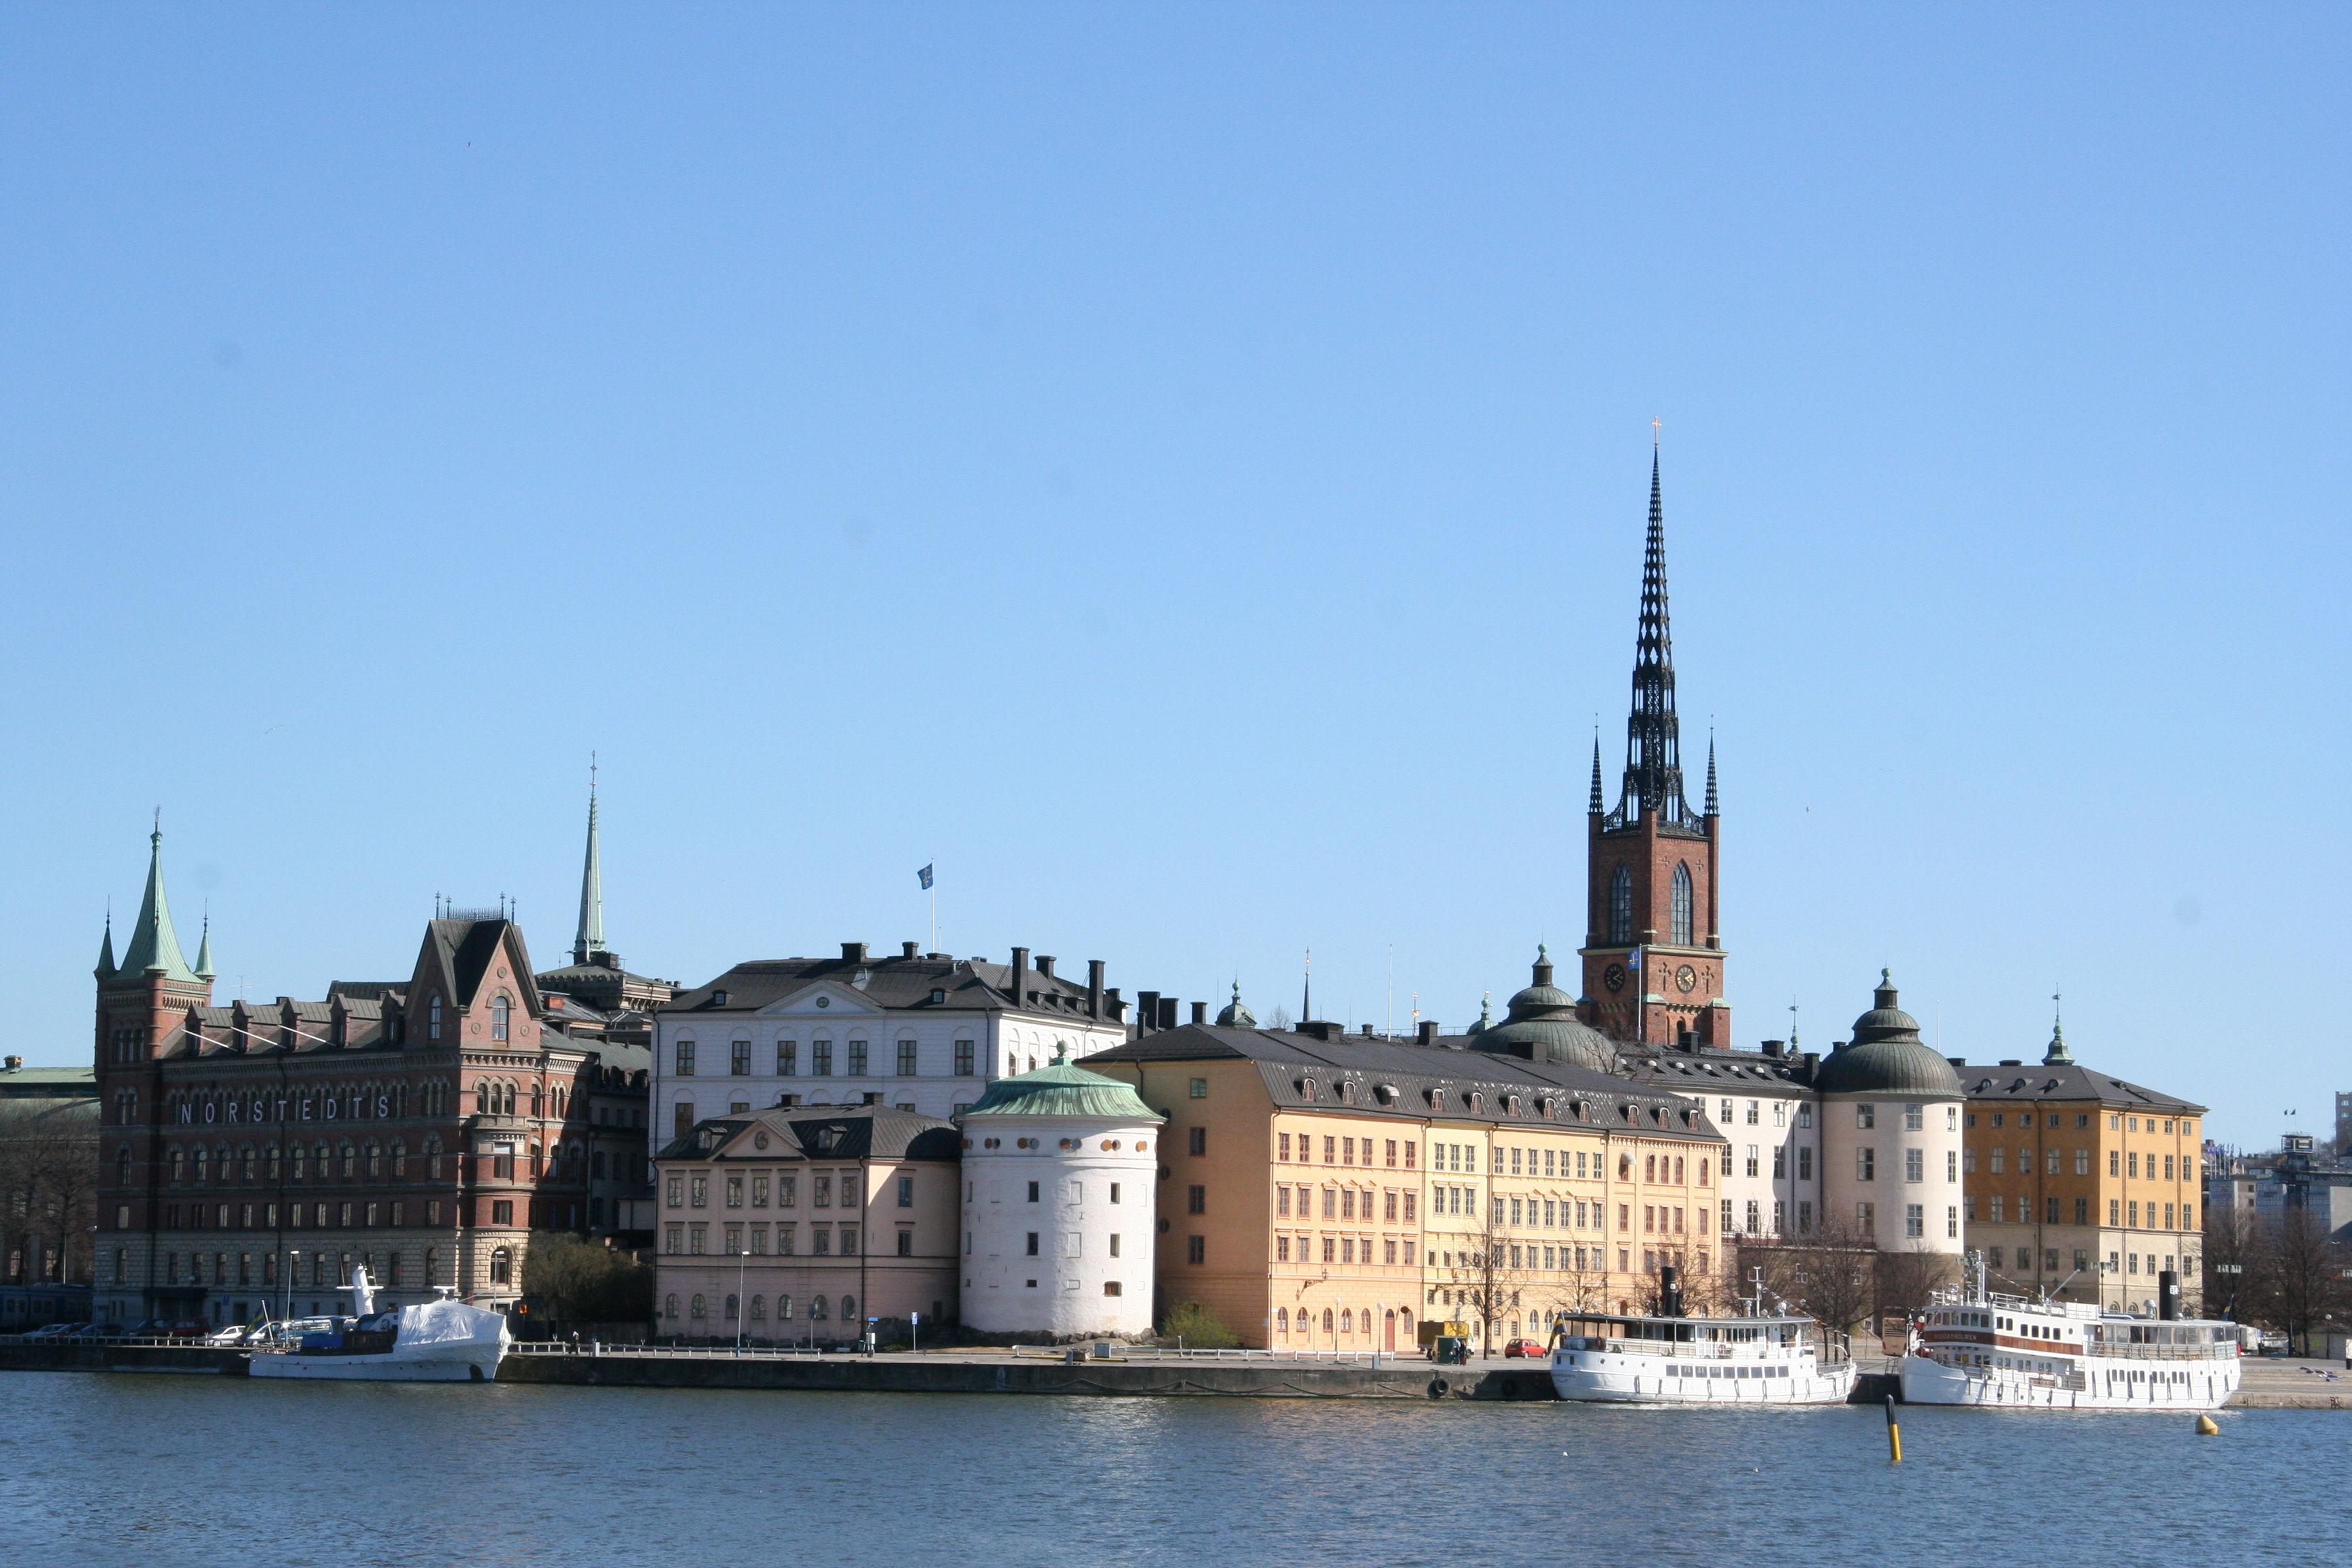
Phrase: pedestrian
x=575 y=1342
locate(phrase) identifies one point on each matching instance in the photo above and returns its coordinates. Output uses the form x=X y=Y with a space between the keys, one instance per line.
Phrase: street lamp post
x=293 y=1258
x=742 y=1302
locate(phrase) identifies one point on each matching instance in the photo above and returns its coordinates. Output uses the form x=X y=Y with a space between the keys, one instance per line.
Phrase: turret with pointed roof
x=105 y=970
x=154 y=946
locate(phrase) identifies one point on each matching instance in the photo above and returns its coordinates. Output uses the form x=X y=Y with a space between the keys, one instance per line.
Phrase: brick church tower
x=1653 y=952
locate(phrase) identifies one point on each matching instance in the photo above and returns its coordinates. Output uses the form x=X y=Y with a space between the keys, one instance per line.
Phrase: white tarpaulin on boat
x=450 y=1323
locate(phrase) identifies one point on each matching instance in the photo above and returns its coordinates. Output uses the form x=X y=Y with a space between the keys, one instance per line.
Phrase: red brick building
x=251 y=1153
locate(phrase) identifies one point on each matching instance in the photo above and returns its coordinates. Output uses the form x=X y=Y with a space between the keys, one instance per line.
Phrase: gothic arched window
x=501 y=1266
x=1682 y=915
x=433 y=1018
x=500 y=1010
x=1621 y=905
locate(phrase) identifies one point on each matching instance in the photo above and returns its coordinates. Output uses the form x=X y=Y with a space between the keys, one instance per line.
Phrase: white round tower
x=1060 y=1169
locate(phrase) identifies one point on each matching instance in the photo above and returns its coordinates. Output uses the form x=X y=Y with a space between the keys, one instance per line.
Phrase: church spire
x=1596 y=807
x=106 y=948
x=153 y=944
x=590 y=941
x=204 y=950
x=1713 y=807
x=1653 y=769
x=1307 y=990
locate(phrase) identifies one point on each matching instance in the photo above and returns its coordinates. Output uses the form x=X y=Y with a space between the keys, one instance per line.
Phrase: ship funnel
x=1670 y=1292
x=2167 y=1295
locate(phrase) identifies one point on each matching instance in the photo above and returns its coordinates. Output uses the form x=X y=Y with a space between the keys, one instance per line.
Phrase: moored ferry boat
x=1670 y=1359
x=441 y=1340
x=1973 y=1347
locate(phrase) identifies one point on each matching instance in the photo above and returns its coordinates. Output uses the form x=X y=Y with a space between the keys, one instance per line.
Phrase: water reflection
x=201 y=1470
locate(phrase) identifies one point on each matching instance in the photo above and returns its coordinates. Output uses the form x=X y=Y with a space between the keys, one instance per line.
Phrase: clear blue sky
x=1183 y=470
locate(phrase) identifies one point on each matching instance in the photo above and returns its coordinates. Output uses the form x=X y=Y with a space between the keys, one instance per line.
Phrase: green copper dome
x=1062 y=1089
x=1886 y=1056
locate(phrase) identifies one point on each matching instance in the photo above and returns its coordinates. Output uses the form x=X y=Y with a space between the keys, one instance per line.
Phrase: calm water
x=170 y=1470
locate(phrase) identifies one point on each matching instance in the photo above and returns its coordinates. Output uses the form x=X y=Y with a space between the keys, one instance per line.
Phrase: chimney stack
x=1147 y=1012
x=907 y=949
x=1200 y=1012
x=852 y=953
x=1094 y=987
x=1019 y=984
x=1168 y=1012
x=1428 y=1031
x=1045 y=965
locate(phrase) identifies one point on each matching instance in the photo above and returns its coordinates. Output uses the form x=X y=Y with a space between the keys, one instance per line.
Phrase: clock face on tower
x=1685 y=977
x=1613 y=977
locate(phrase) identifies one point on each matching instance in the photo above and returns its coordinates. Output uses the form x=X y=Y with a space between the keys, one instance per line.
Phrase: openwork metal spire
x=1653 y=768
x=1714 y=807
x=1597 y=805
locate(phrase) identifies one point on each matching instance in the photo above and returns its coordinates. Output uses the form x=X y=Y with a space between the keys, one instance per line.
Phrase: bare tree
x=48 y=1188
x=2298 y=1274
x=1831 y=1274
x=2232 y=1243
x=1908 y=1276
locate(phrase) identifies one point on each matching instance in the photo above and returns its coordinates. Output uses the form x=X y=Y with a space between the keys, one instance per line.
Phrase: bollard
x=1893 y=1434
x=2206 y=1428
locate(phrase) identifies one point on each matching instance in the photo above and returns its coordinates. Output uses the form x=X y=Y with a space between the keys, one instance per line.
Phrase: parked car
x=181 y=1329
x=1529 y=1348
x=58 y=1332
x=235 y=1334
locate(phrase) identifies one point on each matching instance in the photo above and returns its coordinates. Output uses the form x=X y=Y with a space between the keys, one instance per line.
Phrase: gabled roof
x=802 y=1132
x=1368 y=1075
x=459 y=953
x=2036 y=1081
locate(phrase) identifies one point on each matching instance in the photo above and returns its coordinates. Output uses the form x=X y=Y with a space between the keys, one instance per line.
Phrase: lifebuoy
x=1437 y=1388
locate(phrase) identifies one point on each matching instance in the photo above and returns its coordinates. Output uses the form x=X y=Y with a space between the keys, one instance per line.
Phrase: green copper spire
x=153 y=944
x=590 y=941
x=204 y=950
x=2057 y=1056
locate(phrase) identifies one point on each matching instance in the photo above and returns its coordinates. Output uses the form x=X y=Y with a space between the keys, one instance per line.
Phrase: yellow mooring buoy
x=1893 y=1435
x=2206 y=1428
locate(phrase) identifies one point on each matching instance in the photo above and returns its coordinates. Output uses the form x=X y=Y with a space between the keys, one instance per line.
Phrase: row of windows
x=395 y=1213
x=2119 y=1211
x=856 y=1058
x=739 y=1240
x=820 y=1310
x=2125 y=1263
x=682 y=1190
x=302 y=1270
x=1337 y=1151
x=2115 y=1122
x=2120 y=1162
x=295 y=1162
x=1344 y=1249
x=1339 y=1202
x=1914 y=1164
x=1395 y=1323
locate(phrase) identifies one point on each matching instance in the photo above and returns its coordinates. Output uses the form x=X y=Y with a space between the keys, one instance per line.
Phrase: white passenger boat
x=441 y=1340
x=1670 y=1359
x=1972 y=1347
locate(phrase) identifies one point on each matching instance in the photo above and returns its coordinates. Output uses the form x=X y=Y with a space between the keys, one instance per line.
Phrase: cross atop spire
x=1653 y=769
x=589 y=943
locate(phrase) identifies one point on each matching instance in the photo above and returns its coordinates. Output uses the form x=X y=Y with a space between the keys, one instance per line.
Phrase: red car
x=1527 y=1348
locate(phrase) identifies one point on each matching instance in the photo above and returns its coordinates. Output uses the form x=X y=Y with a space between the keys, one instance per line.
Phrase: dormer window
x=719 y=998
x=939 y=994
x=501 y=1015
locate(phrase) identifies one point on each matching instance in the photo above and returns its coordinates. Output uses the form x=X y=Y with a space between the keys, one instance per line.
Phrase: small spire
x=1712 y=809
x=1486 y=1011
x=2058 y=1055
x=204 y=947
x=589 y=939
x=153 y=944
x=1594 y=806
x=106 y=945
x=1307 y=992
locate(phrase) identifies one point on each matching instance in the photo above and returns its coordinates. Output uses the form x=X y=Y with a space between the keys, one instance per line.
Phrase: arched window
x=849 y=1309
x=1347 y=1322
x=783 y=1308
x=351 y=1160
x=1620 y=904
x=484 y=1105
x=433 y=1018
x=502 y=1266
x=696 y=1308
x=122 y=1166
x=249 y=1159
x=203 y=1164
x=1282 y=1320
x=1682 y=911
x=1326 y=1319
x=432 y=1265
x=399 y=1157
x=733 y=1306
x=816 y=1309
x=669 y=1306
x=433 y=1158
x=758 y=1309
x=501 y=1008
x=374 y=1159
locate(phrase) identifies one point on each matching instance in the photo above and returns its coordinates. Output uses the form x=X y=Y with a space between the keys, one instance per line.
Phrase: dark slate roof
x=2037 y=1081
x=1374 y=1077
x=892 y=982
x=367 y=990
x=805 y=1132
x=1706 y=1071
